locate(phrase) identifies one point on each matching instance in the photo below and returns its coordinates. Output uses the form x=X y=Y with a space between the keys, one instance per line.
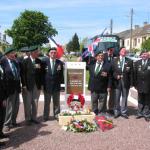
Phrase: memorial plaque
x=75 y=78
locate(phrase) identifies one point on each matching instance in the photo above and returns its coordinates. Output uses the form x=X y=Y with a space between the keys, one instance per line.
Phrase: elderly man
x=99 y=83
x=123 y=79
x=32 y=82
x=142 y=84
x=3 y=97
x=53 y=77
x=12 y=79
x=109 y=57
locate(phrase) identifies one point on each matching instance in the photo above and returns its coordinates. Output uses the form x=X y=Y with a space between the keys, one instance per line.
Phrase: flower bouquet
x=81 y=126
x=104 y=123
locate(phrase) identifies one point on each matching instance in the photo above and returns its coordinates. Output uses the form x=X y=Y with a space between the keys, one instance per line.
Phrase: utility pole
x=131 y=23
x=111 y=26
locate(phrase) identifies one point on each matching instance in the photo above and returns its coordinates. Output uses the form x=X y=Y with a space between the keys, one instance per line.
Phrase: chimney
x=145 y=23
x=136 y=26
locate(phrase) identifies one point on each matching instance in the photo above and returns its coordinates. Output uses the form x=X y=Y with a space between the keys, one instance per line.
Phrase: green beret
x=9 y=50
x=24 y=49
x=33 y=48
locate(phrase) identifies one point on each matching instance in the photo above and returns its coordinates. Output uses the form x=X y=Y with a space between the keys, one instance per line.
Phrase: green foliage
x=69 y=47
x=146 y=44
x=73 y=45
x=31 y=28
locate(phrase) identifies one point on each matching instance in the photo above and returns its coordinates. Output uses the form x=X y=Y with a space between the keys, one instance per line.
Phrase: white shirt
x=97 y=63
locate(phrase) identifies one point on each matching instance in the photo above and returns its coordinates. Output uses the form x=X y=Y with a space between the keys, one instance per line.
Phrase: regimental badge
x=37 y=66
x=148 y=67
x=140 y=68
x=46 y=68
x=127 y=68
x=1 y=73
x=59 y=68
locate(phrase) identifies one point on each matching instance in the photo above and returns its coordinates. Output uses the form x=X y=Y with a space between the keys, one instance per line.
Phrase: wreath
x=75 y=104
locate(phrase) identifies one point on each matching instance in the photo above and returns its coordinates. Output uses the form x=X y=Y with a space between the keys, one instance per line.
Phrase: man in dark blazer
x=53 y=77
x=109 y=57
x=142 y=84
x=3 y=98
x=24 y=55
x=123 y=79
x=99 y=83
x=12 y=81
x=32 y=82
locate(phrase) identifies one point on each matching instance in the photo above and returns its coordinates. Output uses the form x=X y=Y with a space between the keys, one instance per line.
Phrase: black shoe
x=2 y=144
x=3 y=136
x=116 y=116
x=125 y=116
x=28 y=123
x=111 y=112
x=35 y=121
x=46 y=119
x=147 y=119
x=14 y=125
x=139 y=117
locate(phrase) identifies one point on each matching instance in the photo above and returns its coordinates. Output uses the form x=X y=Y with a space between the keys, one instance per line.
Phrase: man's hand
x=4 y=103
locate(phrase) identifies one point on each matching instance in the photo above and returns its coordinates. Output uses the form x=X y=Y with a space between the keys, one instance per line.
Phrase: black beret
x=53 y=48
x=110 y=47
x=99 y=52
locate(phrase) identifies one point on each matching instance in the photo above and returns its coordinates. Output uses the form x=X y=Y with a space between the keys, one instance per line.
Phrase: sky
x=87 y=18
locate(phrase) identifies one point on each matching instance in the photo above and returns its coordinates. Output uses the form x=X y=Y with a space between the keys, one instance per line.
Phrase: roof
x=139 y=31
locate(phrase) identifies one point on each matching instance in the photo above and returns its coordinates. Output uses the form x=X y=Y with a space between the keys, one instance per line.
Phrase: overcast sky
x=84 y=17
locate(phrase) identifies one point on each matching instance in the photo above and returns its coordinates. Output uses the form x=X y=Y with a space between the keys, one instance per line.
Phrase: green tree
x=69 y=46
x=31 y=28
x=75 y=43
x=146 y=44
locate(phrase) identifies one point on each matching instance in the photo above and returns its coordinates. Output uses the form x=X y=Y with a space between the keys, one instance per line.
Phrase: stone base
x=65 y=120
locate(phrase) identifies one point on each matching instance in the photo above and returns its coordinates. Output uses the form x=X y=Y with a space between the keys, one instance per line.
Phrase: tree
x=75 y=43
x=69 y=47
x=31 y=28
x=146 y=44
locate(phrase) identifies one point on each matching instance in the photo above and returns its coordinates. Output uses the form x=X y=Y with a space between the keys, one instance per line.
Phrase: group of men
x=109 y=74
x=114 y=76
x=27 y=74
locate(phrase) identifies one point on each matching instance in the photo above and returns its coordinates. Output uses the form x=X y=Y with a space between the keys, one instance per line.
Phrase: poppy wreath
x=75 y=103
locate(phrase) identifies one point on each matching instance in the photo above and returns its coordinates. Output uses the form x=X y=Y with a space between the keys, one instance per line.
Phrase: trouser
x=98 y=102
x=31 y=104
x=111 y=99
x=121 y=107
x=2 y=117
x=56 y=103
x=143 y=104
x=12 y=108
x=24 y=97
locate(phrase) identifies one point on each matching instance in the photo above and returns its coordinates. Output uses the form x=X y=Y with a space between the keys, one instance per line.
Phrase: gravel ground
x=128 y=134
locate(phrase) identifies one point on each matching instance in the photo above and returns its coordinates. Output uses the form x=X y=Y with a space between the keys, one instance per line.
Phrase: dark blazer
x=142 y=76
x=3 y=95
x=32 y=73
x=127 y=72
x=12 y=83
x=98 y=83
x=52 y=81
x=107 y=58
